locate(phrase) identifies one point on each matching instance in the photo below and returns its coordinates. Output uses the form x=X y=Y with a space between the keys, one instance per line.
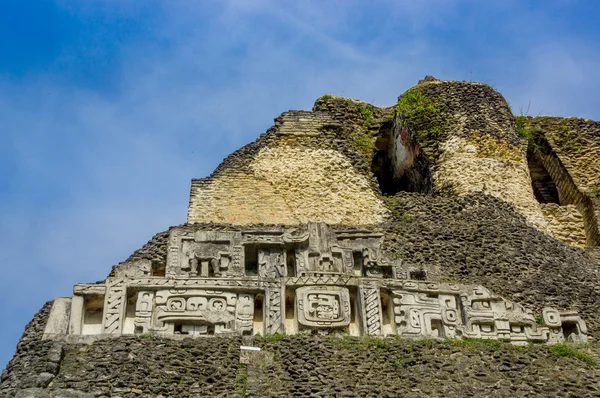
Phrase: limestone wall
x=463 y=168
x=565 y=223
x=571 y=149
x=473 y=147
x=577 y=143
x=293 y=175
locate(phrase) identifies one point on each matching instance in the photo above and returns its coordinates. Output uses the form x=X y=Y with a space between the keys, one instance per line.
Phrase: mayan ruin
x=354 y=245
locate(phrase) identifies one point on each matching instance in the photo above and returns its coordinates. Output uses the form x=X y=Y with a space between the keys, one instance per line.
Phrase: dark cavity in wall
x=544 y=187
x=552 y=183
x=399 y=167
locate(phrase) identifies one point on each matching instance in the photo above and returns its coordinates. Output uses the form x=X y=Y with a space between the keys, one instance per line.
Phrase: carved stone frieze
x=271 y=262
x=114 y=309
x=323 y=306
x=331 y=281
x=245 y=313
x=372 y=309
x=273 y=319
x=447 y=310
x=203 y=254
x=143 y=311
x=196 y=311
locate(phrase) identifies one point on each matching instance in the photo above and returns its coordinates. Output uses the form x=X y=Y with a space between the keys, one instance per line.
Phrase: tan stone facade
x=464 y=168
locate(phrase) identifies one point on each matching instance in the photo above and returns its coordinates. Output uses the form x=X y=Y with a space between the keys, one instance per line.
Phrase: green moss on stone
x=424 y=115
x=367 y=115
x=571 y=351
x=567 y=138
x=363 y=143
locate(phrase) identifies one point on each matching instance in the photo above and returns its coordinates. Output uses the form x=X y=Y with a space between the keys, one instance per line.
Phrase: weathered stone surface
x=58 y=320
x=42 y=393
x=430 y=219
x=306 y=366
x=313 y=184
x=30 y=357
x=480 y=239
x=565 y=223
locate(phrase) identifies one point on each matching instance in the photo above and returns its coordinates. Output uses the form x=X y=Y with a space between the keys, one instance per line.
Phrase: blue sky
x=108 y=108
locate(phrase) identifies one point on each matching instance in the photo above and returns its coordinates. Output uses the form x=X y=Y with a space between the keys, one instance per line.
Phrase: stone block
x=58 y=321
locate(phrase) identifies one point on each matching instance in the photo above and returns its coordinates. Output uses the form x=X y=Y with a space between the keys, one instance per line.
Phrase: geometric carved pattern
x=372 y=308
x=114 y=309
x=245 y=313
x=198 y=308
x=433 y=310
x=233 y=279
x=273 y=319
x=323 y=306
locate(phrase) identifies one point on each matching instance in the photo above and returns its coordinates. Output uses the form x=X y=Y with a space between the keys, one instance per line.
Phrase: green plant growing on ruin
x=570 y=350
x=521 y=128
x=270 y=338
x=567 y=138
x=399 y=363
x=376 y=342
x=528 y=133
x=596 y=192
x=363 y=143
x=242 y=379
x=325 y=97
x=367 y=115
x=425 y=115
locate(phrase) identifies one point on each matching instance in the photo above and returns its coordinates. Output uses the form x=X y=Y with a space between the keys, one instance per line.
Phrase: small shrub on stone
x=425 y=115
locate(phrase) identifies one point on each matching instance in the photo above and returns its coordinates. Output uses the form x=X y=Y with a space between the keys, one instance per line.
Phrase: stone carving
x=332 y=280
x=208 y=290
x=133 y=269
x=237 y=267
x=114 y=307
x=143 y=311
x=263 y=237
x=203 y=254
x=270 y=263
x=245 y=313
x=422 y=314
x=372 y=310
x=273 y=320
x=323 y=306
x=196 y=311
x=443 y=310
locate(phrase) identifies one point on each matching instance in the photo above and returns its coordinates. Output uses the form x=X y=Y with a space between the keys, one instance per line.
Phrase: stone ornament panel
x=274 y=318
x=323 y=306
x=326 y=273
x=194 y=253
x=314 y=249
x=371 y=308
x=446 y=310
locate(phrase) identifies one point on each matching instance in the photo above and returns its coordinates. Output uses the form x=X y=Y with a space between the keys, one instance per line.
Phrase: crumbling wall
x=565 y=223
x=467 y=132
x=570 y=152
x=30 y=359
x=296 y=173
x=478 y=238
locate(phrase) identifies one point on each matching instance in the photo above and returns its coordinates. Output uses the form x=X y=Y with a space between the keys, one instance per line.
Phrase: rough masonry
x=350 y=227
